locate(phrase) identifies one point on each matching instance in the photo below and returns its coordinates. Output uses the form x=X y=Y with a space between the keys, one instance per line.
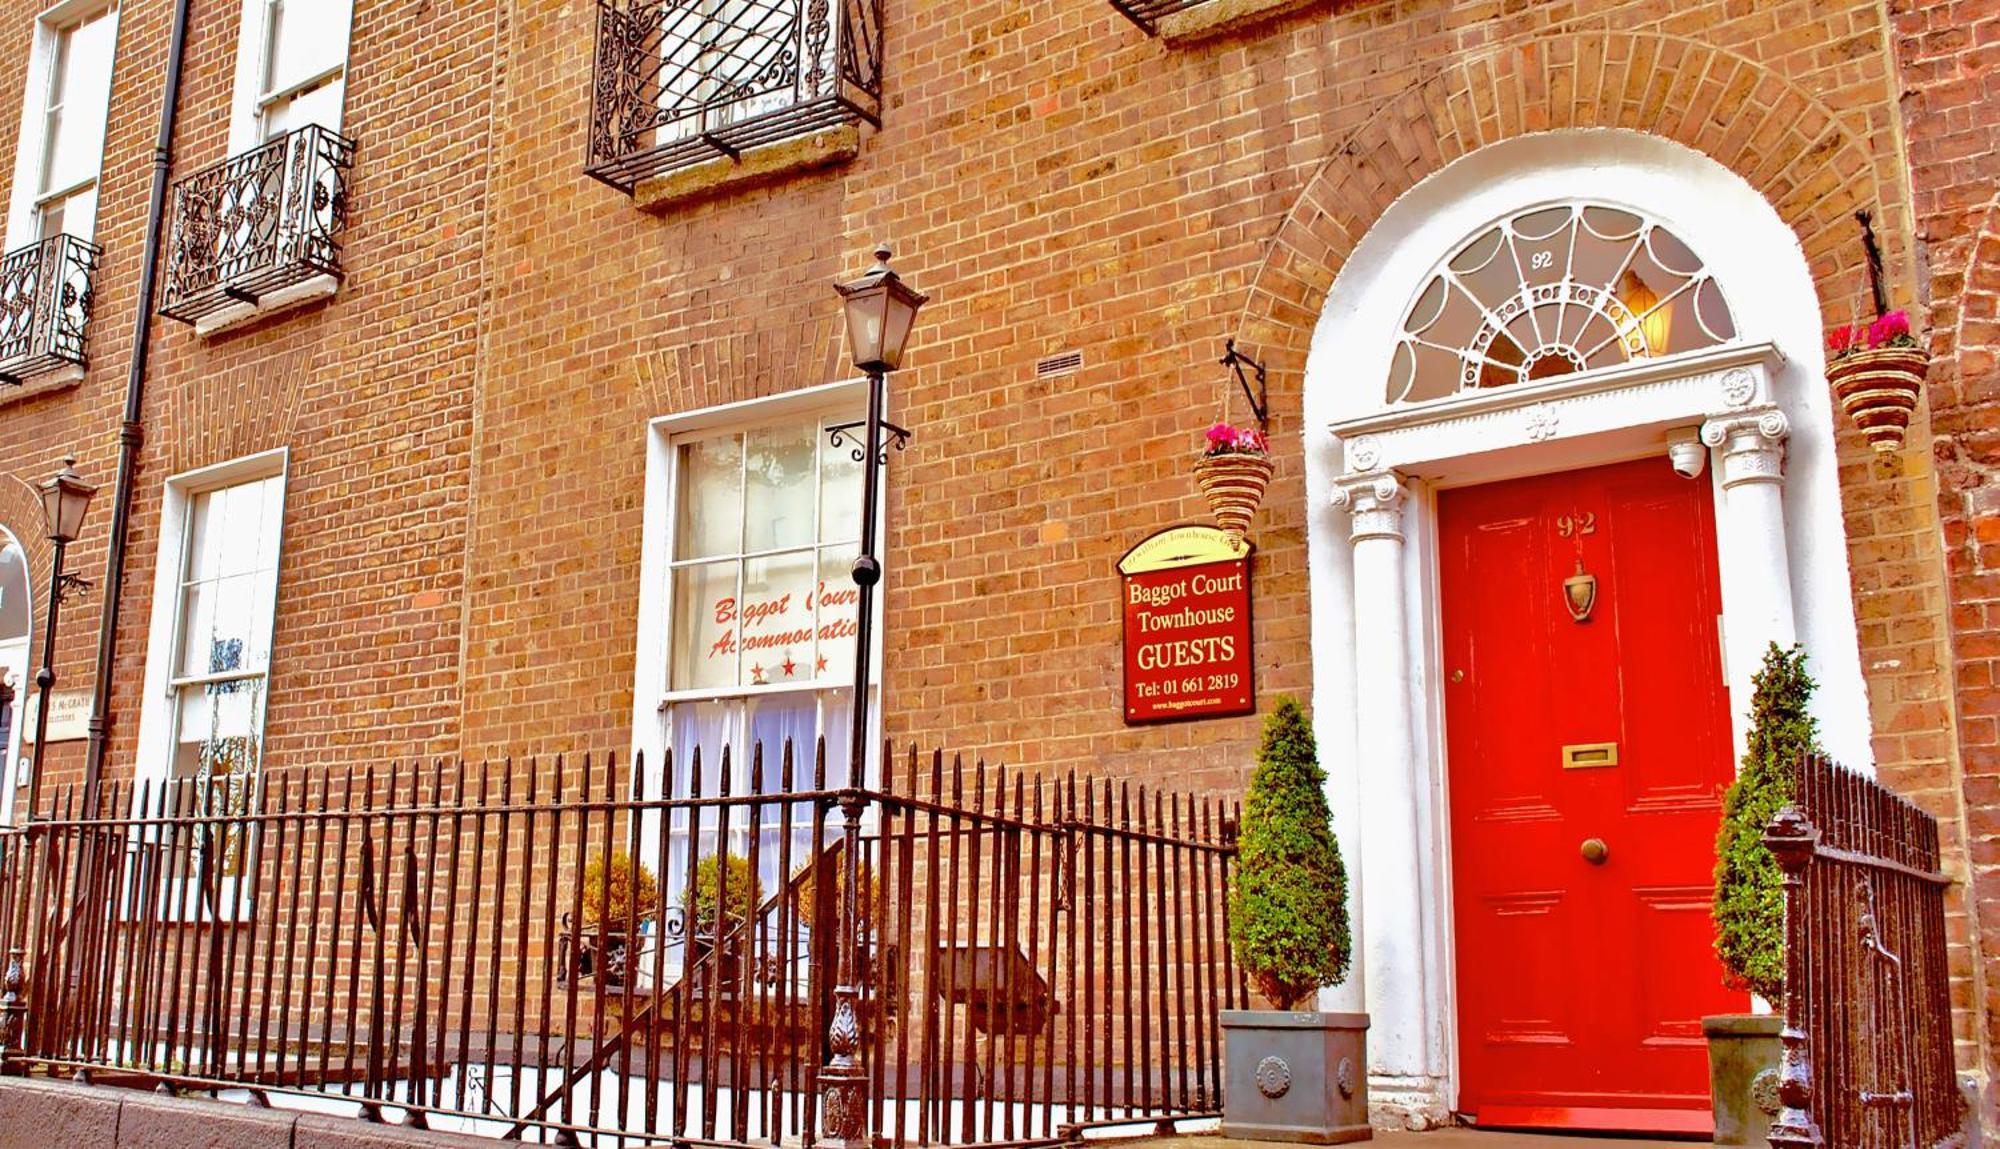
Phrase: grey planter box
x=1743 y=1051
x=1295 y=1076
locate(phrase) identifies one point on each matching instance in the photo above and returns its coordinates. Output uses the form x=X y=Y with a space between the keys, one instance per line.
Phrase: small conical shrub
x=1749 y=887
x=1288 y=910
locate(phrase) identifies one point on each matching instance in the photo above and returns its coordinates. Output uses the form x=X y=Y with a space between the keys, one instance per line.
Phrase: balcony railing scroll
x=678 y=82
x=257 y=223
x=46 y=299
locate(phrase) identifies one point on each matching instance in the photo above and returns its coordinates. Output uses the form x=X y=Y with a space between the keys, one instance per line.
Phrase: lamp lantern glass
x=880 y=311
x=65 y=498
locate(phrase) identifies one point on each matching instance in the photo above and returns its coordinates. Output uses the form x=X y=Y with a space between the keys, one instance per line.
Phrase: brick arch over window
x=1781 y=139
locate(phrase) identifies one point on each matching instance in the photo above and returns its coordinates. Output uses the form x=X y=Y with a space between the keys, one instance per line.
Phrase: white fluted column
x=1757 y=568
x=1391 y=935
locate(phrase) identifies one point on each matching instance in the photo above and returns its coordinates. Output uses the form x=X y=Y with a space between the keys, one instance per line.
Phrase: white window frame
x=156 y=715
x=24 y=206
x=252 y=99
x=652 y=695
x=160 y=700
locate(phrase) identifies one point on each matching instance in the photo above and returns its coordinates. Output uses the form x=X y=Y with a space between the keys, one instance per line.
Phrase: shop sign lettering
x=1186 y=598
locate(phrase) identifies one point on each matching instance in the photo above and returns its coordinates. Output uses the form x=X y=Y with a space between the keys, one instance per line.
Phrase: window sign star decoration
x=757 y=675
x=788 y=666
x=819 y=664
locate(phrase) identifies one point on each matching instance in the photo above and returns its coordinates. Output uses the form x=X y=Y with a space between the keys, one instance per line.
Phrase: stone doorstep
x=38 y=1113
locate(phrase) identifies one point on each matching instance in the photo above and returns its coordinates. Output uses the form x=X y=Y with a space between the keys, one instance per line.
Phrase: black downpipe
x=132 y=431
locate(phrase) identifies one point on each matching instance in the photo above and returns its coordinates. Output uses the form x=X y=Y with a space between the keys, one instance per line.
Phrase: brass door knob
x=1595 y=851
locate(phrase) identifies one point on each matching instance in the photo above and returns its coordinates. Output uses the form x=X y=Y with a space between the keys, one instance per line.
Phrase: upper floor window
x=261 y=230
x=682 y=81
x=291 y=68
x=62 y=125
x=1555 y=290
x=47 y=274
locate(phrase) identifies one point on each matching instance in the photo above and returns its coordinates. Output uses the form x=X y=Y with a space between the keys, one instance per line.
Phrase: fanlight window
x=1552 y=291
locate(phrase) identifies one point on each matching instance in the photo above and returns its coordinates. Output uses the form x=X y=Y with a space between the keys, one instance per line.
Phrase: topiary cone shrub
x=1288 y=909
x=1749 y=887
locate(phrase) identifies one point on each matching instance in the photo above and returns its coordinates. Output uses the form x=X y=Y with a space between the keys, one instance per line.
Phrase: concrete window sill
x=1226 y=17
x=298 y=295
x=756 y=167
x=61 y=379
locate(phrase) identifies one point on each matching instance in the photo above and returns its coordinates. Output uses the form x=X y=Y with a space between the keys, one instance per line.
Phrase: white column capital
x=1376 y=503
x=1753 y=445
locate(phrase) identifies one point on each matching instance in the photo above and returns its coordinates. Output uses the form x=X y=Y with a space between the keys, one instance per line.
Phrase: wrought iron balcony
x=46 y=297
x=257 y=224
x=682 y=81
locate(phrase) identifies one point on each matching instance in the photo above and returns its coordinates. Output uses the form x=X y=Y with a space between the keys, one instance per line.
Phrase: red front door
x=1583 y=975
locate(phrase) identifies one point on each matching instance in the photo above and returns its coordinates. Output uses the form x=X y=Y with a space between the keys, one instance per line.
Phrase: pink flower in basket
x=1891 y=330
x=1224 y=439
x=1843 y=340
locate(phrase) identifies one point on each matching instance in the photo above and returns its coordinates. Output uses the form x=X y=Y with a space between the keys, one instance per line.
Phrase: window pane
x=205 y=537
x=838 y=603
x=705 y=616
x=316 y=105
x=74 y=214
x=81 y=88
x=840 y=490
x=777 y=619
x=778 y=499
x=197 y=629
x=836 y=719
x=774 y=721
x=707 y=726
x=710 y=519
x=306 y=37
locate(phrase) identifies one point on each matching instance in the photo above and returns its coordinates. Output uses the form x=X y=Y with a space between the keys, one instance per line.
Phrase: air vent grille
x=1061 y=363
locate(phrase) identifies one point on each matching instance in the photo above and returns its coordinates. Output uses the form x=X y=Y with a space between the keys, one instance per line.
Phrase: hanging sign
x=1187 y=626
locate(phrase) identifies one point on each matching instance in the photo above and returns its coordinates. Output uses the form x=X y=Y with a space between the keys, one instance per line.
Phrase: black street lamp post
x=65 y=498
x=880 y=310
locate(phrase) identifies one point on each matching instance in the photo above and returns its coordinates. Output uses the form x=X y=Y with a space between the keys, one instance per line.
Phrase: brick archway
x=1780 y=138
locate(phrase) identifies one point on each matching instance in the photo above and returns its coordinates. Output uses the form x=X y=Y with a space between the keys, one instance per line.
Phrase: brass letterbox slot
x=1588 y=755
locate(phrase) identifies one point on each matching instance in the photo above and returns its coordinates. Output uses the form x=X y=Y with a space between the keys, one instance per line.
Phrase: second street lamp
x=65 y=498
x=880 y=310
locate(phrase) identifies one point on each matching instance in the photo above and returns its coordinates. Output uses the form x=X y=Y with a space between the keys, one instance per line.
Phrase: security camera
x=1687 y=453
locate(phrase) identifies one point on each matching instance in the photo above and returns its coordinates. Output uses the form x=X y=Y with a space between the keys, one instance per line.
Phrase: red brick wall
x=1951 y=116
x=467 y=417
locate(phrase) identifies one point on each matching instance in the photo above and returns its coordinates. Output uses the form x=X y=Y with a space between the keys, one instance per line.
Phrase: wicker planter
x=1878 y=390
x=1234 y=485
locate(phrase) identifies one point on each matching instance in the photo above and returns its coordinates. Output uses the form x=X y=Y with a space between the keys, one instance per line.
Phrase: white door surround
x=1751 y=417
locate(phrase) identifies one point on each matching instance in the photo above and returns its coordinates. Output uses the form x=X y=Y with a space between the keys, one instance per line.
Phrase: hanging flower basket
x=1877 y=373
x=1232 y=474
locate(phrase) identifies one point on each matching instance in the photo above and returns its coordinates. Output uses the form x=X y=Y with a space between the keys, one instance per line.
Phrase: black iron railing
x=1868 y=1061
x=46 y=297
x=537 y=951
x=258 y=223
x=682 y=81
x=1147 y=14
